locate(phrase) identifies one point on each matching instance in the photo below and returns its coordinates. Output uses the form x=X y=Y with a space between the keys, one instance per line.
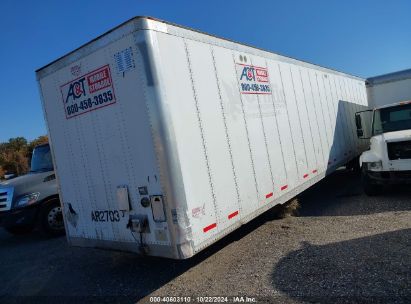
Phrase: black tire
x=369 y=187
x=51 y=218
x=19 y=230
x=354 y=165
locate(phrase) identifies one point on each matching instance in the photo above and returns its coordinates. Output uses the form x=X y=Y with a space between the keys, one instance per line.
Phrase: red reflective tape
x=230 y=216
x=305 y=175
x=284 y=187
x=269 y=195
x=315 y=171
x=212 y=226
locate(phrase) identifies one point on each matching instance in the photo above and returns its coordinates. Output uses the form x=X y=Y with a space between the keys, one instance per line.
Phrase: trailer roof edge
x=197 y=31
x=390 y=77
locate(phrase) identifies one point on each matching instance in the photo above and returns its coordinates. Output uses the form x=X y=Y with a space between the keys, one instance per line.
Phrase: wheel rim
x=55 y=218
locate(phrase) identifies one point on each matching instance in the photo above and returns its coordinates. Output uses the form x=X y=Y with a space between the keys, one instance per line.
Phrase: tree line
x=15 y=155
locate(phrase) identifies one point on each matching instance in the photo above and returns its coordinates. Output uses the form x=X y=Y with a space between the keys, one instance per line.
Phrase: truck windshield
x=392 y=119
x=41 y=159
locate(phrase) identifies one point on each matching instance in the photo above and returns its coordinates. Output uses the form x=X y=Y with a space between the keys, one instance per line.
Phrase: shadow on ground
x=342 y=195
x=371 y=269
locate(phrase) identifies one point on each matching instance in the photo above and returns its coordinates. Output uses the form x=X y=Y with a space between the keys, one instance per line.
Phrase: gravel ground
x=344 y=247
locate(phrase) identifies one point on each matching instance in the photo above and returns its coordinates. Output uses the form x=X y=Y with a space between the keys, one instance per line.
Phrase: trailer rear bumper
x=389 y=177
x=152 y=249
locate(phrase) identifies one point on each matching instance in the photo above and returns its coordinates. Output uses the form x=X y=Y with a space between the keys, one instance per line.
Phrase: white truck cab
x=388 y=160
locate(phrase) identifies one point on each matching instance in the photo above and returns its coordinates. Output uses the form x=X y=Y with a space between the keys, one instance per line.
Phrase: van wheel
x=19 y=230
x=52 y=218
x=370 y=188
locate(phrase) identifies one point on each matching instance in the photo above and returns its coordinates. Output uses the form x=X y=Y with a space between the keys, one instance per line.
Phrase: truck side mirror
x=358 y=123
x=363 y=123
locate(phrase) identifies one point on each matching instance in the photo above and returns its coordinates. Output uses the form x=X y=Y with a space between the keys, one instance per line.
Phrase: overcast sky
x=365 y=38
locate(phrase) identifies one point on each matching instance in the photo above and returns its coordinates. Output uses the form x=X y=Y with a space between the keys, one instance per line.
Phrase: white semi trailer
x=389 y=88
x=165 y=139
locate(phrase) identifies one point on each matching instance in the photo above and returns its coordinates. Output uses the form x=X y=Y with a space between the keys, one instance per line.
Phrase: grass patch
x=288 y=209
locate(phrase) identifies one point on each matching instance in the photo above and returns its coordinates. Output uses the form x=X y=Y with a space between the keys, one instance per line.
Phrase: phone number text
x=90 y=103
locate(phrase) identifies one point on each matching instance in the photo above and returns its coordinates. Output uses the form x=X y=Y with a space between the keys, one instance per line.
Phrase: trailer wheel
x=370 y=188
x=52 y=218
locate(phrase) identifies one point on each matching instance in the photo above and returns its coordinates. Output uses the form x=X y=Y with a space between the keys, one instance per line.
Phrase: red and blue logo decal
x=253 y=79
x=89 y=92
